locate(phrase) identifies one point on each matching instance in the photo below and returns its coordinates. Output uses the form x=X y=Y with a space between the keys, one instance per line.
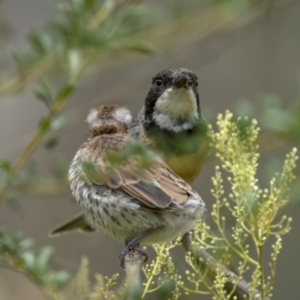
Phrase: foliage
x=255 y=211
x=246 y=217
x=69 y=46
x=16 y=253
x=84 y=34
x=247 y=220
x=256 y=226
x=275 y=136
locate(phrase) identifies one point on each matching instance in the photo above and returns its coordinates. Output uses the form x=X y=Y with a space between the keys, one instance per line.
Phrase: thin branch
x=216 y=25
x=58 y=105
x=212 y=267
x=133 y=264
x=20 y=80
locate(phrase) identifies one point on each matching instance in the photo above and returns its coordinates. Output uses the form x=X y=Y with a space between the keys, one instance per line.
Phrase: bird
x=126 y=190
x=171 y=124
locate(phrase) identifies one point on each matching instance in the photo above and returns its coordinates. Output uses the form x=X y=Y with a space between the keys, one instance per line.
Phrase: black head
x=173 y=99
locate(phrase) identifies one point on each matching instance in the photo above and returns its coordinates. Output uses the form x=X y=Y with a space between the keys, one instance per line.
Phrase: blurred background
x=245 y=53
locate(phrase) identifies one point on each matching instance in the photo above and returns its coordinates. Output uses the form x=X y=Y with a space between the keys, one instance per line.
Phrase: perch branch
x=212 y=267
x=133 y=264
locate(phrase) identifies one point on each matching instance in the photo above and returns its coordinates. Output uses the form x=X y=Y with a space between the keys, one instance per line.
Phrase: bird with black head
x=171 y=124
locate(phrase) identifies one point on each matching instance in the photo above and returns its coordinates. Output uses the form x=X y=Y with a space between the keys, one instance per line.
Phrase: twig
x=20 y=80
x=59 y=103
x=212 y=267
x=133 y=264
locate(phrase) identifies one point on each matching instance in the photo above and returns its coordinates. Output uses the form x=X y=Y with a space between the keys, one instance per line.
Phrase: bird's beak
x=181 y=81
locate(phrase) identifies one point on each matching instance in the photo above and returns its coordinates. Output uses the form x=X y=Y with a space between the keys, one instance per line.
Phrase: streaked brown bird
x=131 y=197
x=171 y=124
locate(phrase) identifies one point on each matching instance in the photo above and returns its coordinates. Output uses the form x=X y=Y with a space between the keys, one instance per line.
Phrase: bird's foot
x=129 y=248
x=135 y=245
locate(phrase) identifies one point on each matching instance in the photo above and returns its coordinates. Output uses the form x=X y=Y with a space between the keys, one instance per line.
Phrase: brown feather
x=156 y=186
x=149 y=194
x=105 y=129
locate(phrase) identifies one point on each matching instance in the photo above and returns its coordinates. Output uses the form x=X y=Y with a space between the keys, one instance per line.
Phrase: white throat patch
x=176 y=109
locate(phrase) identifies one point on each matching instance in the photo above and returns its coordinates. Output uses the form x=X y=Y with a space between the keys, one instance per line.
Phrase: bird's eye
x=158 y=84
x=196 y=84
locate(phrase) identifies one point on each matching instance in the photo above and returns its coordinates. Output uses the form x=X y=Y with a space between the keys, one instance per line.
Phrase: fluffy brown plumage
x=130 y=199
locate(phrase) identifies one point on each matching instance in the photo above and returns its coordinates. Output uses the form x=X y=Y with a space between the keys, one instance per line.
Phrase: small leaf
x=42 y=42
x=45 y=125
x=35 y=42
x=74 y=63
x=51 y=143
x=142 y=47
x=89 y=4
x=29 y=259
x=26 y=243
x=18 y=59
x=44 y=258
x=61 y=278
x=5 y=165
x=57 y=123
x=65 y=91
x=44 y=92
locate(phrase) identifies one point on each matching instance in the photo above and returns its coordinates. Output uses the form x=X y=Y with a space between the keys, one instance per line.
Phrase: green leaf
x=74 y=63
x=57 y=123
x=28 y=259
x=44 y=92
x=26 y=243
x=65 y=91
x=142 y=47
x=44 y=258
x=42 y=43
x=89 y=4
x=61 y=278
x=51 y=143
x=18 y=59
x=5 y=165
x=44 y=125
x=35 y=42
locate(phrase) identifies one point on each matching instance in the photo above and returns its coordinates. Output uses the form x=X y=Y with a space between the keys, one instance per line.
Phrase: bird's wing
x=156 y=186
